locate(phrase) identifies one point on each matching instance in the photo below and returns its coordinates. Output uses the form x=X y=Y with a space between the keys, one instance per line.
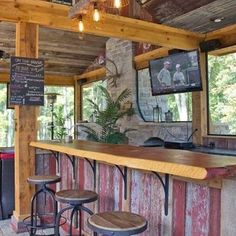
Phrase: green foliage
x=60 y=121
x=63 y=113
x=92 y=93
x=107 y=118
x=7 y=120
x=222 y=87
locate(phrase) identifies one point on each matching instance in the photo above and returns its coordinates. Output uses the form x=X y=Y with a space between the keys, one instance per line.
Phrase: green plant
x=59 y=121
x=107 y=119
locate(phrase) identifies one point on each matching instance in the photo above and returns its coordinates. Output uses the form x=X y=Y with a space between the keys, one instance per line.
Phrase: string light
x=96 y=13
x=81 y=24
x=117 y=3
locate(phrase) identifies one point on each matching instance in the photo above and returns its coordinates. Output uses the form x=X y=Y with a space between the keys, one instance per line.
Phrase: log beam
x=223 y=51
x=227 y=37
x=199 y=105
x=55 y=16
x=25 y=128
x=56 y=80
x=92 y=75
x=142 y=61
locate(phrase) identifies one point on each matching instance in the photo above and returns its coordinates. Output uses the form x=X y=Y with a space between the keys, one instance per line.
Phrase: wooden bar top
x=171 y=161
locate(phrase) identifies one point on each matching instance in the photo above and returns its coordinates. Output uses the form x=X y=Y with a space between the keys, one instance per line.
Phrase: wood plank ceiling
x=192 y=15
x=64 y=53
x=67 y=55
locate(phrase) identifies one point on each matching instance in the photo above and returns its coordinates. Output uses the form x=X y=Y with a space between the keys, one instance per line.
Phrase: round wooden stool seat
x=75 y=197
x=33 y=222
x=44 y=179
x=117 y=223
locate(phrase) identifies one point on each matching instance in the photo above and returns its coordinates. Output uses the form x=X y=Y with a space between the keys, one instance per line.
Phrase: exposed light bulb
x=117 y=3
x=96 y=13
x=81 y=24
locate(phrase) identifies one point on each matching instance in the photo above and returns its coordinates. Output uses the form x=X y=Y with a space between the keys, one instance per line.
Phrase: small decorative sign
x=27 y=81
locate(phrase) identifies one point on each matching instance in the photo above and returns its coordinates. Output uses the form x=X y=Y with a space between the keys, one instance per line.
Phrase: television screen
x=176 y=73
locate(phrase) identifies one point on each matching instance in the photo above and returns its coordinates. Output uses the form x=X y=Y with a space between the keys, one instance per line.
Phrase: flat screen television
x=176 y=73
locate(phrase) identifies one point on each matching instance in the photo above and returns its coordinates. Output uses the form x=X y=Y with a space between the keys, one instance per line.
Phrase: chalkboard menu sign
x=26 y=81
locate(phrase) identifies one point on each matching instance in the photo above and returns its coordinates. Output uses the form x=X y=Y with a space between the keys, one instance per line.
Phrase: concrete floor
x=6 y=230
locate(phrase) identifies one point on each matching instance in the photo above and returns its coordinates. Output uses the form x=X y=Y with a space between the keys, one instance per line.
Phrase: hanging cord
x=188 y=108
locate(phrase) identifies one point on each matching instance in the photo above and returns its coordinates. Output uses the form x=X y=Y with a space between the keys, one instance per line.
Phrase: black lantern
x=157 y=113
x=168 y=116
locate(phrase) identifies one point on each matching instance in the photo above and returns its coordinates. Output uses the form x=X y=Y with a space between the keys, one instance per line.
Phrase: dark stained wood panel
x=200 y=20
x=192 y=15
x=164 y=10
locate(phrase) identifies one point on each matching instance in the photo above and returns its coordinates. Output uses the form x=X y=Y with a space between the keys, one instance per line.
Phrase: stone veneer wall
x=122 y=53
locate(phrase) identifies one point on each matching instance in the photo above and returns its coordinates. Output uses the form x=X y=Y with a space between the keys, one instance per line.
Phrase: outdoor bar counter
x=182 y=163
x=125 y=177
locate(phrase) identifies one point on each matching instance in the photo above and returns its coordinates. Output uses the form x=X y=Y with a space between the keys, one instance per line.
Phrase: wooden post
x=199 y=103
x=78 y=101
x=25 y=131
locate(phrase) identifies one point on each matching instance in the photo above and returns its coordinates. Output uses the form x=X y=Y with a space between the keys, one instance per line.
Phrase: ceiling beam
x=142 y=61
x=92 y=75
x=224 y=51
x=227 y=37
x=49 y=79
x=56 y=16
x=220 y=33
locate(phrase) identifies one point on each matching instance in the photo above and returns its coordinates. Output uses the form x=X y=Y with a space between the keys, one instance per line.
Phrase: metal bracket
x=93 y=165
x=165 y=185
x=72 y=161
x=56 y=156
x=124 y=175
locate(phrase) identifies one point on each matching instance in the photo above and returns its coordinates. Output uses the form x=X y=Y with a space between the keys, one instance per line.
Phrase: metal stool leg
x=80 y=222
x=71 y=218
x=58 y=219
x=33 y=222
x=52 y=195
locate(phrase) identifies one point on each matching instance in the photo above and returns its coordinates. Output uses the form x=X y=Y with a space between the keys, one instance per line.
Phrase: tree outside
x=63 y=114
x=7 y=120
x=222 y=94
x=92 y=92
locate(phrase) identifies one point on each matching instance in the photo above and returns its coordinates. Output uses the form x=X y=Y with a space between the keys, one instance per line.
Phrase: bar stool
x=117 y=223
x=31 y=222
x=75 y=199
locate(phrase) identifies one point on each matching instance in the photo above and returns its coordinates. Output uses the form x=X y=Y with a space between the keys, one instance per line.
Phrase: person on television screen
x=178 y=77
x=164 y=77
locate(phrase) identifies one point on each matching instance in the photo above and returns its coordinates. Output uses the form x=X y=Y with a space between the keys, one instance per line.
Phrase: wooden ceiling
x=64 y=53
x=194 y=15
x=67 y=55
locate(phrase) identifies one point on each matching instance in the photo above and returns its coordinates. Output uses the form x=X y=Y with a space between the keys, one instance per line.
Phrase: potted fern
x=106 y=119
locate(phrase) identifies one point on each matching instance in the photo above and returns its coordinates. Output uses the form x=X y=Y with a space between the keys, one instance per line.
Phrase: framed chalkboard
x=26 y=81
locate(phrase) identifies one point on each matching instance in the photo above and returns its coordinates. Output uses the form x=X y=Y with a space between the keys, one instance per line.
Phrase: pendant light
x=117 y=4
x=81 y=24
x=96 y=13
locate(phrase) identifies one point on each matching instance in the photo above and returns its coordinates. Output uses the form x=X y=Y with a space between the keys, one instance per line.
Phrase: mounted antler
x=112 y=75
